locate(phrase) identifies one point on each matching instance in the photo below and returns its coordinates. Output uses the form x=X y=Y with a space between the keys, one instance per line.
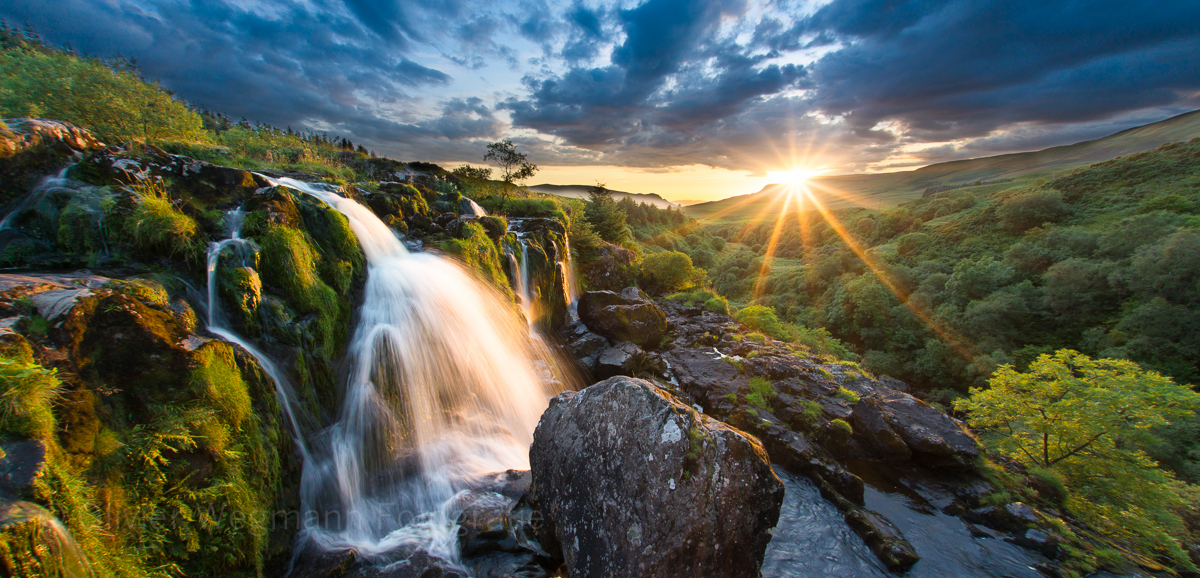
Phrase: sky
x=694 y=100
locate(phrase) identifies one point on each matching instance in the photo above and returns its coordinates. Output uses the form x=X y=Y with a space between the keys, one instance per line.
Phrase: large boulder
x=901 y=426
x=634 y=483
x=625 y=316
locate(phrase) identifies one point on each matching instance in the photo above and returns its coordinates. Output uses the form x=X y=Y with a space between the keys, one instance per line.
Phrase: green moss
x=290 y=262
x=847 y=395
x=843 y=425
x=215 y=376
x=479 y=254
x=143 y=290
x=732 y=397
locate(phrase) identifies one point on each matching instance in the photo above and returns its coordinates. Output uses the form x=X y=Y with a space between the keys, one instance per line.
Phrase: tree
x=513 y=165
x=1087 y=422
x=669 y=271
x=470 y=172
x=606 y=216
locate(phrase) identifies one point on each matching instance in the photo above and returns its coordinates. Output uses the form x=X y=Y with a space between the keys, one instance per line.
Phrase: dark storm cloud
x=662 y=83
x=962 y=69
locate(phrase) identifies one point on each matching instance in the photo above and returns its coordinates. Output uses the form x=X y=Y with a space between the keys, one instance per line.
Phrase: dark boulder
x=625 y=316
x=21 y=464
x=901 y=427
x=885 y=539
x=634 y=483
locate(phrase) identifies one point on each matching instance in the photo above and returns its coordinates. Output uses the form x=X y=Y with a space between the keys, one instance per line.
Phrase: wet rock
x=1037 y=540
x=471 y=209
x=634 y=483
x=483 y=524
x=52 y=304
x=22 y=463
x=506 y=565
x=885 y=539
x=310 y=562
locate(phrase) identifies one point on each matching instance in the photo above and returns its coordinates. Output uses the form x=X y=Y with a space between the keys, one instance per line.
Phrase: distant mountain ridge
x=581 y=192
x=890 y=189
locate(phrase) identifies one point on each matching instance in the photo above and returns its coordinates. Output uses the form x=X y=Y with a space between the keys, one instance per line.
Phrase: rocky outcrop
x=901 y=427
x=31 y=149
x=635 y=483
x=625 y=316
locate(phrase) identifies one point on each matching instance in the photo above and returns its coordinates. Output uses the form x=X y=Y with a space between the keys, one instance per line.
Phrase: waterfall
x=441 y=389
x=49 y=183
x=528 y=303
x=217 y=324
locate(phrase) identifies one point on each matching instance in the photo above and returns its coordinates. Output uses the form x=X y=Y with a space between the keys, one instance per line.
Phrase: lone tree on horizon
x=514 y=165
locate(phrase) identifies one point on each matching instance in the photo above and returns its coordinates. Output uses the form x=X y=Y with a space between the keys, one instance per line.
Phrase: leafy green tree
x=1088 y=421
x=514 y=166
x=669 y=271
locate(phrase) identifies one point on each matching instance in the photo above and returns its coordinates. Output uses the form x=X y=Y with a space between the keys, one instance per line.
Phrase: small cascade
x=47 y=184
x=525 y=285
x=571 y=288
x=242 y=251
x=442 y=388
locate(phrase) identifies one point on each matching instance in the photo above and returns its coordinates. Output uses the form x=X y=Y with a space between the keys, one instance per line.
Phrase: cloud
x=658 y=84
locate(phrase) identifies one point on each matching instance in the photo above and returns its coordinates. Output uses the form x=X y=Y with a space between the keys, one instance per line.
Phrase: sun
x=793 y=176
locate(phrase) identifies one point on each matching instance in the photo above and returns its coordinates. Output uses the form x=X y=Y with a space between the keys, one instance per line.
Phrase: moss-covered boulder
x=164 y=449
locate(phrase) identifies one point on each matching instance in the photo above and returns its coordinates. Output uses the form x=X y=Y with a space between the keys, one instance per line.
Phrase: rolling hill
x=581 y=192
x=890 y=189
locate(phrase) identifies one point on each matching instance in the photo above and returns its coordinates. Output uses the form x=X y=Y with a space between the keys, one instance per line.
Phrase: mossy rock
x=240 y=291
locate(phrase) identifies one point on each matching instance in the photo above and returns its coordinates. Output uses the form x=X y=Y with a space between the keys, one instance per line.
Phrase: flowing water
x=239 y=252
x=442 y=388
x=812 y=540
x=56 y=548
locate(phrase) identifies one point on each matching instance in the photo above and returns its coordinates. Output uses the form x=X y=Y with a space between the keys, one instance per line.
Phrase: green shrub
x=756 y=337
x=762 y=392
x=27 y=391
x=157 y=227
x=668 y=271
x=810 y=416
x=717 y=305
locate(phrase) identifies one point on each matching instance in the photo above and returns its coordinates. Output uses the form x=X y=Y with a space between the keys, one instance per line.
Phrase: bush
x=717 y=305
x=669 y=271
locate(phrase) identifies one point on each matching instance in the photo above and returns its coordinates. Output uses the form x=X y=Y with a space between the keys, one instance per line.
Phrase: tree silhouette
x=514 y=166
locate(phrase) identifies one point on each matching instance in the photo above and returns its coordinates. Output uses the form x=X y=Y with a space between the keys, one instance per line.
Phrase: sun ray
x=948 y=334
x=769 y=255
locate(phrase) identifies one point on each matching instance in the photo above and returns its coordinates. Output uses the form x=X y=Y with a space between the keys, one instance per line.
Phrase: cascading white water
x=528 y=304
x=217 y=324
x=441 y=389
